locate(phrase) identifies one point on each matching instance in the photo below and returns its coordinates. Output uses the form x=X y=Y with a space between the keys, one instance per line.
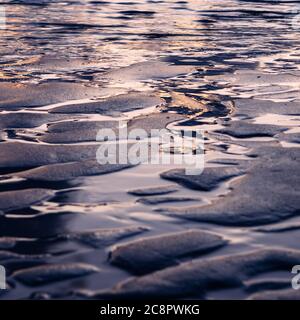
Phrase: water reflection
x=78 y=41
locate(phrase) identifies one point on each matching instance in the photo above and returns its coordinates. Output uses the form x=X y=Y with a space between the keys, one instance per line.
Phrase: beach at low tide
x=73 y=228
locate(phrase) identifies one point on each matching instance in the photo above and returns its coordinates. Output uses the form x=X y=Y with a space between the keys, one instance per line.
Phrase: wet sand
x=71 y=228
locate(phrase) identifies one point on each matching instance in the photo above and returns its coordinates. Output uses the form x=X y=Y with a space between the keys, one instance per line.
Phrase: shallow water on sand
x=229 y=68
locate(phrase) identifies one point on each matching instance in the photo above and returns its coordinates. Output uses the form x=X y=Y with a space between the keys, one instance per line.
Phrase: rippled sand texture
x=72 y=228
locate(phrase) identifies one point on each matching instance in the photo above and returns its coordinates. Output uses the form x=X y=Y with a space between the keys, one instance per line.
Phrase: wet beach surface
x=74 y=229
